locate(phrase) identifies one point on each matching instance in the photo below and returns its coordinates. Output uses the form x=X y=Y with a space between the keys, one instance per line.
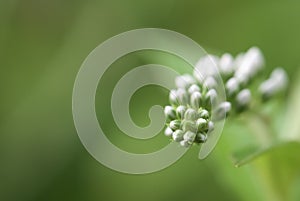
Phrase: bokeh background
x=42 y=45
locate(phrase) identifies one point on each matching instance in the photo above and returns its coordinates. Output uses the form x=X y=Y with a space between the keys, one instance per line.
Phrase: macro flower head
x=190 y=115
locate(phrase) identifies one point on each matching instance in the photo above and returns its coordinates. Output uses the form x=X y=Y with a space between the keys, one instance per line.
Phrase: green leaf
x=248 y=154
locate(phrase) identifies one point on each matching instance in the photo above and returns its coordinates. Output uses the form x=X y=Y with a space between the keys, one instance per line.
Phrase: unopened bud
x=210 y=126
x=210 y=82
x=175 y=124
x=201 y=138
x=177 y=135
x=184 y=143
x=196 y=99
x=170 y=112
x=275 y=84
x=232 y=86
x=222 y=110
x=180 y=111
x=251 y=63
x=189 y=126
x=182 y=96
x=243 y=98
x=193 y=88
x=190 y=114
x=204 y=114
x=184 y=81
x=201 y=124
x=168 y=131
x=189 y=136
x=211 y=97
x=226 y=64
x=206 y=67
x=173 y=97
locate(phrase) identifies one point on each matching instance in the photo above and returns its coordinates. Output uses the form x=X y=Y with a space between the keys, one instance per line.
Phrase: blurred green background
x=42 y=45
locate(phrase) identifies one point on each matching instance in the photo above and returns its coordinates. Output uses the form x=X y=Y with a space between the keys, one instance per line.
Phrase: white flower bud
x=211 y=97
x=169 y=112
x=196 y=99
x=180 y=111
x=243 y=79
x=184 y=143
x=178 y=135
x=279 y=74
x=226 y=64
x=226 y=106
x=222 y=110
x=210 y=126
x=243 y=98
x=193 y=88
x=204 y=114
x=182 y=96
x=184 y=81
x=276 y=83
x=201 y=138
x=206 y=67
x=210 y=82
x=232 y=86
x=173 y=97
x=256 y=59
x=168 y=131
x=238 y=60
x=189 y=126
x=189 y=136
x=201 y=124
x=175 y=124
x=250 y=64
x=190 y=114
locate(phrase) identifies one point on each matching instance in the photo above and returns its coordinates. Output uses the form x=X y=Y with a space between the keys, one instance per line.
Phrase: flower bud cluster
x=188 y=118
x=189 y=115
